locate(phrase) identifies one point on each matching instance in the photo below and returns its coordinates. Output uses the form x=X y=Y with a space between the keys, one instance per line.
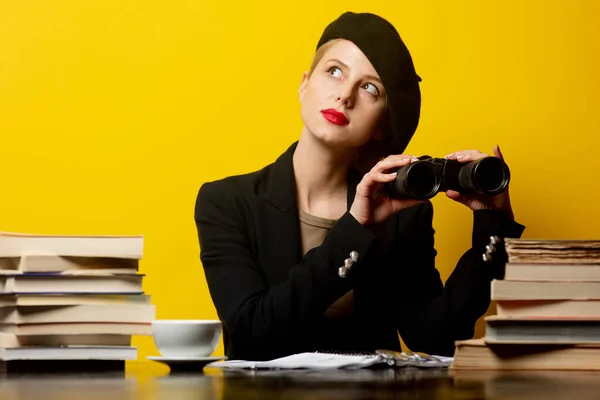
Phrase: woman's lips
x=335 y=117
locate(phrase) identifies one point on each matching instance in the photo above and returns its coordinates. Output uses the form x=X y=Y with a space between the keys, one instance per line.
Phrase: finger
x=457 y=154
x=381 y=177
x=498 y=153
x=400 y=157
x=372 y=180
x=392 y=162
x=470 y=155
x=414 y=158
x=454 y=195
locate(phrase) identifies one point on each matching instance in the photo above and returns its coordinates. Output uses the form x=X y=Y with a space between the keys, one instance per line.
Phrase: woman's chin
x=336 y=137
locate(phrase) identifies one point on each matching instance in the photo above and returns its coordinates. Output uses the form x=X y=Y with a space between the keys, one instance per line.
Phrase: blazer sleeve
x=432 y=316
x=264 y=321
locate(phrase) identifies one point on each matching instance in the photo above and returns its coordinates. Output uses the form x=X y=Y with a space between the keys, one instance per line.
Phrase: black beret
x=382 y=45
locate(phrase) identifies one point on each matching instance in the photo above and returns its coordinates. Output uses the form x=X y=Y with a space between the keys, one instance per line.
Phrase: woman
x=308 y=254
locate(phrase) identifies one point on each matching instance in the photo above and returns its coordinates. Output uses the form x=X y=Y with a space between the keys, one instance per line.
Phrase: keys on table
x=410 y=359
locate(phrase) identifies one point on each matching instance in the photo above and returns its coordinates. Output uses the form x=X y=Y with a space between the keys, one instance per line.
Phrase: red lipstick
x=335 y=117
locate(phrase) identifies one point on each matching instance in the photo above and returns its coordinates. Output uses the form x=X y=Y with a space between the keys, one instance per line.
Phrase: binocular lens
x=490 y=175
x=422 y=180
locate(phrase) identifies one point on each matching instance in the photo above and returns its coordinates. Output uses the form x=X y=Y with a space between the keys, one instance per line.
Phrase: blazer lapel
x=280 y=227
x=279 y=219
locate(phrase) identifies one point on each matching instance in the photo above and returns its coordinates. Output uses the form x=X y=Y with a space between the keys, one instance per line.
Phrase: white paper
x=304 y=360
x=331 y=361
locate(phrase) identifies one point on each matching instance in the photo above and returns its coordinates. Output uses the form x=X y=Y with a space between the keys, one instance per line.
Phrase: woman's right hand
x=371 y=204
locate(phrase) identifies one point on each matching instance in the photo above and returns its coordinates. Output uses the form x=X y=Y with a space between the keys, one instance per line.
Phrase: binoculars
x=428 y=176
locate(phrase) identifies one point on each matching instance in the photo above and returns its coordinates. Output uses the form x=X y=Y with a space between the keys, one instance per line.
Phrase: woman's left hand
x=500 y=202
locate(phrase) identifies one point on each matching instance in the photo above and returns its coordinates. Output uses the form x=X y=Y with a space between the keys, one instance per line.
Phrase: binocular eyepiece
x=424 y=178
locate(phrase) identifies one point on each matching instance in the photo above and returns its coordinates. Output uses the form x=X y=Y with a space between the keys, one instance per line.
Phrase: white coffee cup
x=178 y=338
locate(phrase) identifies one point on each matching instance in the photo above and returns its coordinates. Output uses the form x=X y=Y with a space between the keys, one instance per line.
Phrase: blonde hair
x=320 y=53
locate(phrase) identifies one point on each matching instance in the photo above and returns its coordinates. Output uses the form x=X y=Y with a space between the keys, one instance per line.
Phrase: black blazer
x=271 y=299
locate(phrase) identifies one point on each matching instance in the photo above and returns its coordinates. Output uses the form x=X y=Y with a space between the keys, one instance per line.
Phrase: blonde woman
x=309 y=254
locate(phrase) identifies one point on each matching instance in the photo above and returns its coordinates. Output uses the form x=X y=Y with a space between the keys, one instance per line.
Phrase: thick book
x=60 y=367
x=78 y=328
x=579 y=309
x=14 y=244
x=117 y=313
x=475 y=354
x=541 y=330
x=68 y=353
x=544 y=290
x=552 y=272
x=12 y=340
x=57 y=283
x=72 y=299
x=68 y=264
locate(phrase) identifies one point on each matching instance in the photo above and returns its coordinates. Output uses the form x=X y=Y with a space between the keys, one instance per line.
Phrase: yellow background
x=113 y=113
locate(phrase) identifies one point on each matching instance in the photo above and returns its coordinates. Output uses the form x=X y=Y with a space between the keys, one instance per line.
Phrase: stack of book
x=71 y=298
x=548 y=310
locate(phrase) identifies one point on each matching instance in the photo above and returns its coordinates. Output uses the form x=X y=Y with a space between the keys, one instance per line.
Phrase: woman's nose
x=345 y=98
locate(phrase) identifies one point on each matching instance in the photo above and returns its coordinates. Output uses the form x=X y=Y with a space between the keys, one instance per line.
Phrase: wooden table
x=147 y=381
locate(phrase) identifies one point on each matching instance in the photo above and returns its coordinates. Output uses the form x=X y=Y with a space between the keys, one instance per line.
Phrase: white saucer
x=185 y=363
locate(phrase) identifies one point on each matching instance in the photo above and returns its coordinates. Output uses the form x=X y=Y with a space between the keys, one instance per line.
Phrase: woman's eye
x=372 y=89
x=335 y=72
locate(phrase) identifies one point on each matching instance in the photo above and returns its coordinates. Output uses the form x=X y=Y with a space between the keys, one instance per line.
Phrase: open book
x=335 y=361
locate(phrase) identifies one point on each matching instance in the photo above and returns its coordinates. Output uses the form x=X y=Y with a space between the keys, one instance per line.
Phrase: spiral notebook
x=331 y=361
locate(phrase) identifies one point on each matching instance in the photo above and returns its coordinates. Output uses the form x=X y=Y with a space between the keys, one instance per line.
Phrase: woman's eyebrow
x=339 y=62
x=373 y=77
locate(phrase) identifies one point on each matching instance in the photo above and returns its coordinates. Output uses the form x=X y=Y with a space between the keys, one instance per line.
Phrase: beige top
x=312 y=232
